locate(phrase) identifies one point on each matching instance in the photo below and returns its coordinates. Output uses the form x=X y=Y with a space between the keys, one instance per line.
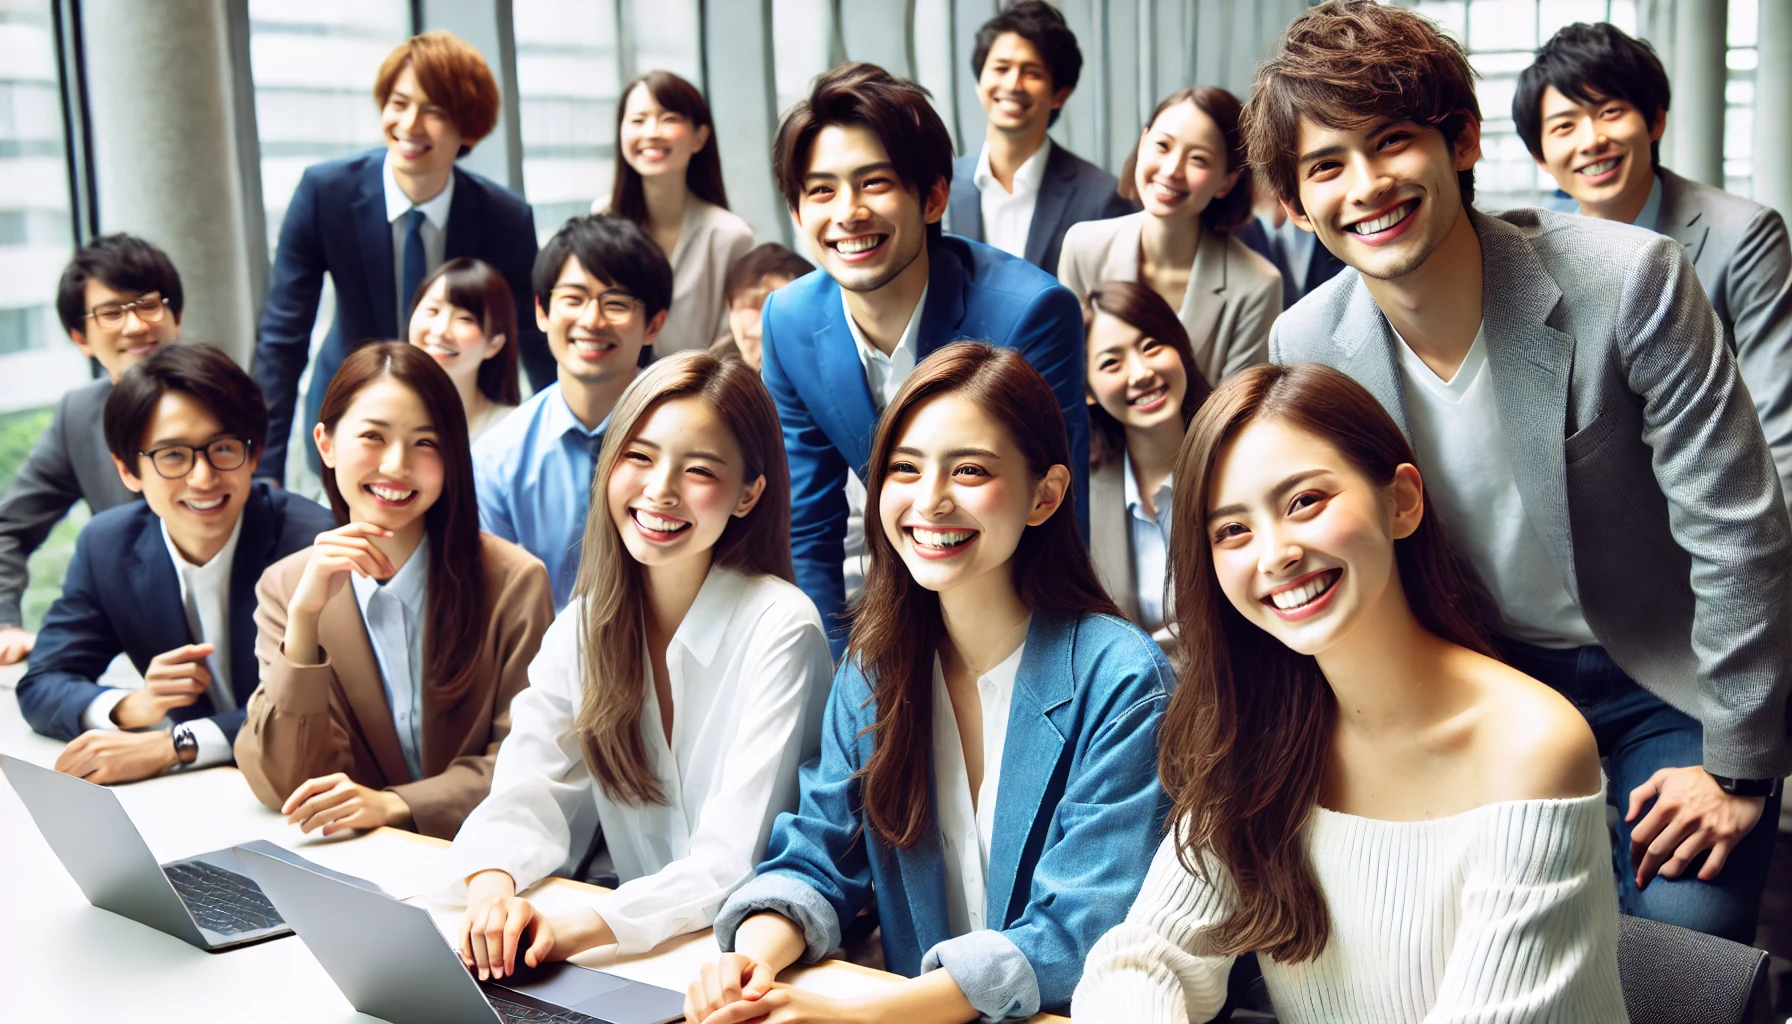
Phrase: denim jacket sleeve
x=816 y=870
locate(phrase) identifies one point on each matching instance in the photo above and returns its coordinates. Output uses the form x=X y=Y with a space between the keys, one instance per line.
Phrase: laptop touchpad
x=563 y=984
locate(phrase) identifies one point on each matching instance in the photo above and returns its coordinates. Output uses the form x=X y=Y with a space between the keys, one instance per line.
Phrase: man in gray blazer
x=119 y=299
x=1585 y=439
x=1020 y=192
x=1592 y=109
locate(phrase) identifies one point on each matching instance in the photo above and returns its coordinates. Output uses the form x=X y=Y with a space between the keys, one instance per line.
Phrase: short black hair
x=1587 y=63
x=202 y=373
x=898 y=111
x=1042 y=25
x=612 y=248
x=123 y=262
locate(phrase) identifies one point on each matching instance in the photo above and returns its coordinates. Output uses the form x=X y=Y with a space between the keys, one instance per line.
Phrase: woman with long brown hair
x=669 y=181
x=1144 y=387
x=986 y=758
x=390 y=649
x=1403 y=827
x=680 y=689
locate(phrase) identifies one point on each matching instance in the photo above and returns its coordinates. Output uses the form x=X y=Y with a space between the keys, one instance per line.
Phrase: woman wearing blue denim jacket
x=987 y=770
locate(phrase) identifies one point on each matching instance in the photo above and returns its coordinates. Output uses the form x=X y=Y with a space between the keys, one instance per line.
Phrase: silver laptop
x=389 y=959
x=206 y=900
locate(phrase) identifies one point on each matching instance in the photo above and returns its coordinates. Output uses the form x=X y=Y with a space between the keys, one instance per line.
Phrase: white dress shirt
x=1150 y=542
x=393 y=612
x=968 y=830
x=749 y=672
x=435 y=236
x=1008 y=214
x=205 y=597
x=1456 y=427
x=885 y=373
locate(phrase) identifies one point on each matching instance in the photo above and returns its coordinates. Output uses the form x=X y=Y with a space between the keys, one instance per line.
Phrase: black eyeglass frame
x=195 y=453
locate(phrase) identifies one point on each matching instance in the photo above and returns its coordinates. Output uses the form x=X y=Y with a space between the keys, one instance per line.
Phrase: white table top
x=61 y=958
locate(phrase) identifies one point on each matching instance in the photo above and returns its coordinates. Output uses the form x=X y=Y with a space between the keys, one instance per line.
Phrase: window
x=1739 y=98
x=36 y=225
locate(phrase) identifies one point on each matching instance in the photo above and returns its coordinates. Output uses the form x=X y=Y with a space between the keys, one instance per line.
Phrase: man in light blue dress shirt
x=601 y=291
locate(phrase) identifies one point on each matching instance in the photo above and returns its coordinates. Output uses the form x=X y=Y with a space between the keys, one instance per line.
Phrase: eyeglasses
x=177 y=460
x=614 y=306
x=149 y=309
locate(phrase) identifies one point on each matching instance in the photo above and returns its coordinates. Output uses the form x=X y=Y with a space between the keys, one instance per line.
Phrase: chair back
x=1673 y=975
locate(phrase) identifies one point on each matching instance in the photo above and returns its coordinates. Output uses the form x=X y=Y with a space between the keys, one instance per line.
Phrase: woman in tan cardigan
x=390 y=650
x=1190 y=175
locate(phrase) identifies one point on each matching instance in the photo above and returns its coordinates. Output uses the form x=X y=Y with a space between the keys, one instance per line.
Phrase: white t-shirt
x=1462 y=457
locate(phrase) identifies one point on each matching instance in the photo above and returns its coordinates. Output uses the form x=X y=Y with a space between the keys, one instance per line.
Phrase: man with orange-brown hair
x=378 y=222
x=1585 y=438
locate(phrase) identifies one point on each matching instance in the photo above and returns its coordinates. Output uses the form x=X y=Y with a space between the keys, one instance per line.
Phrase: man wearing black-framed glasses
x=169 y=581
x=119 y=300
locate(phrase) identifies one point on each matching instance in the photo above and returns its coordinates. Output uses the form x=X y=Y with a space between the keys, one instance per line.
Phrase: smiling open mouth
x=1595 y=170
x=940 y=540
x=857 y=246
x=659 y=525
x=390 y=495
x=1386 y=220
x=205 y=504
x=1151 y=397
x=1298 y=597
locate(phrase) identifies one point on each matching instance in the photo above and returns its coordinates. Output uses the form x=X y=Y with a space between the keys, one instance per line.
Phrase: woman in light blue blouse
x=987 y=771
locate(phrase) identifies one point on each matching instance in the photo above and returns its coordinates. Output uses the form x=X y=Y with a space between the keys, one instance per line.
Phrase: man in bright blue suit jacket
x=170 y=580
x=378 y=222
x=865 y=165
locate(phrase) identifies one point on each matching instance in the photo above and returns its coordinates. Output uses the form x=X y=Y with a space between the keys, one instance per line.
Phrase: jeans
x=1638 y=733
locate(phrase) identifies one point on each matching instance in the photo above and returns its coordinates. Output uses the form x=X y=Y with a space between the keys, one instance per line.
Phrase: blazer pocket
x=1590 y=438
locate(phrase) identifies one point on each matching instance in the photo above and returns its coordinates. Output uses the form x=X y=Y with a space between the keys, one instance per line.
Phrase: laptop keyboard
x=517 y=1013
x=222 y=901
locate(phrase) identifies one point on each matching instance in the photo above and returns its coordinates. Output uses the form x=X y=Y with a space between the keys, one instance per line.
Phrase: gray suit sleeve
x=45 y=490
x=1758 y=283
x=1724 y=507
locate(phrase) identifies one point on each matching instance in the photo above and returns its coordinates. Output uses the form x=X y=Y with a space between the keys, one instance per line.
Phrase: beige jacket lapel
x=1110 y=536
x=1203 y=303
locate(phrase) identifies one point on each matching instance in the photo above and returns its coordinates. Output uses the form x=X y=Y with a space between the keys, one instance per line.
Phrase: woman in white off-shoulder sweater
x=1403 y=828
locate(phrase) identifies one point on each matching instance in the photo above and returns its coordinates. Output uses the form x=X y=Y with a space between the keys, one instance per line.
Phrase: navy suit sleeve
x=817 y=492
x=519 y=268
x=283 y=342
x=1050 y=335
x=76 y=644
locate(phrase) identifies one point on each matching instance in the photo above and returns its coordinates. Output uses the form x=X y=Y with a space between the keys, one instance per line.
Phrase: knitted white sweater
x=1506 y=913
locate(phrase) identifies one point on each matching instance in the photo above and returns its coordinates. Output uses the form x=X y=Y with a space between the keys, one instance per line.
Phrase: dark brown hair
x=1248 y=733
x=456 y=602
x=612 y=655
x=768 y=259
x=1347 y=64
x=897 y=626
x=477 y=287
x=703 y=175
x=899 y=112
x=1223 y=213
x=202 y=373
x=1146 y=310
x=454 y=76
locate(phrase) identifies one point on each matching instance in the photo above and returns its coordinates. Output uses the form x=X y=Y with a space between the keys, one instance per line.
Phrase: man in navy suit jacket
x=1020 y=193
x=170 y=580
x=378 y=222
x=865 y=165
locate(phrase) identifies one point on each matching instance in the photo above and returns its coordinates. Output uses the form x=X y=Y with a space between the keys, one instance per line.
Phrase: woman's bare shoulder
x=1535 y=744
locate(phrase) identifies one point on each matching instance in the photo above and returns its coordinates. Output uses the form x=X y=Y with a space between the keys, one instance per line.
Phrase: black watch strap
x=1746 y=787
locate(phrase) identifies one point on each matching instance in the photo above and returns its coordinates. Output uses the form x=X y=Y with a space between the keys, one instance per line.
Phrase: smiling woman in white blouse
x=1405 y=828
x=680 y=688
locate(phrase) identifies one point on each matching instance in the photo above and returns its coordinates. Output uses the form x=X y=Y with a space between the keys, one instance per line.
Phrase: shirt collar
x=219 y=564
x=409 y=584
x=559 y=419
x=1165 y=490
x=1026 y=177
x=1650 y=215
x=907 y=343
x=701 y=631
x=398 y=204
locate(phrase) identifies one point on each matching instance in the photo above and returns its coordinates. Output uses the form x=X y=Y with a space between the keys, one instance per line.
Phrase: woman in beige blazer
x=1189 y=173
x=390 y=650
x=669 y=181
x=1144 y=387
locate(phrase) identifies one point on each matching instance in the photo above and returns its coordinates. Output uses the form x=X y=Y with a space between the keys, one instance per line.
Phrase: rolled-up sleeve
x=994 y=975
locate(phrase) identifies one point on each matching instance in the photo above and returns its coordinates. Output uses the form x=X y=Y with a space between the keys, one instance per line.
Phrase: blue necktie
x=413 y=268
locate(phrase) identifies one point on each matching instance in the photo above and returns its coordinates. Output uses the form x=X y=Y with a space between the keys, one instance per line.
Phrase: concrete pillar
x=1697 y=116
x=166 y=160
x=743 y=99
x=1773 y=107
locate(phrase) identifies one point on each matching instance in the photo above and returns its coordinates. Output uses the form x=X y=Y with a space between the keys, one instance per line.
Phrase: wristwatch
x=1746 y=787
x=186 y=746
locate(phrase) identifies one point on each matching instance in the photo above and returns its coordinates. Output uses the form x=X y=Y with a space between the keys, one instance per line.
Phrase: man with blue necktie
x=378 y=222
